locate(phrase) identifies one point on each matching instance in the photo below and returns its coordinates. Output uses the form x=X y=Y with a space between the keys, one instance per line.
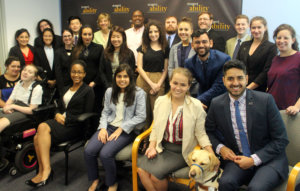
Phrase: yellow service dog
x=202 y=169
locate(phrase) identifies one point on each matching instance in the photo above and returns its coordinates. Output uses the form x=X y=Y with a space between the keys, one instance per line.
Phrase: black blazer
x=266 y=131
x=106 y=69
x=259 y=63
x=38 y=42
x=16 y=51
x=218 y=40
x=42 y=61
x=62 y=63
x=93 y=62
x=81 y=102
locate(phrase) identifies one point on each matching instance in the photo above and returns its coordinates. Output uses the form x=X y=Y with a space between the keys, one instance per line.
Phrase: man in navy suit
x=206 y=66
x=246 y=130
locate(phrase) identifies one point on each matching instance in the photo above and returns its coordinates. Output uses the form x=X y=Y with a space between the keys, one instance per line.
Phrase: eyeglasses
x=76 y=72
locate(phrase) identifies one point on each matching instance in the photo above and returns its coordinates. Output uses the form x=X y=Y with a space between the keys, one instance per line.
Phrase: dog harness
x=194 y=164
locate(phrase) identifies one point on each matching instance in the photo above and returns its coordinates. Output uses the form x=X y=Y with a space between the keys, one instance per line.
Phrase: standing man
x=241 y=27
x=171 y=31
x=135 y=33
x=205 y=20
x=75 y=26
x=206 y=66
x=246 y=129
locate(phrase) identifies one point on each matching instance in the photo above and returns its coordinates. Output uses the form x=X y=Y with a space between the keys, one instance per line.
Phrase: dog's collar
x=194 y=164
x=214 y=178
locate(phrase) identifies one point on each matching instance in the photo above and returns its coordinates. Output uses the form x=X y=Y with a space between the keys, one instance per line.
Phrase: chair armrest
x=43 y=108
x=135 y=148
x=293 y=177
x=85 y=116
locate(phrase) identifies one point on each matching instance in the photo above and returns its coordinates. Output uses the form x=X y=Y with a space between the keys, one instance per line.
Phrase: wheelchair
x=17 y=139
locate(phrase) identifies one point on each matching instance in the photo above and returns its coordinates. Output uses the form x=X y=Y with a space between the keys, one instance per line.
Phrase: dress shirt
x=50 y=55
x=171 y=39
x=245 y=38
x=242 y=107
x=134 y=39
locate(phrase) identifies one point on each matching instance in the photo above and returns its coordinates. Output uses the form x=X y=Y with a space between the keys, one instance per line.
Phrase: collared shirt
x=242 y=107
x=50 y=55
x=134 y=39
x=171 y=39
x=245 y=38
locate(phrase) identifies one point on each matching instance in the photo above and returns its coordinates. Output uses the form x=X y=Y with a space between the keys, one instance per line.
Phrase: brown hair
x=264 y=22
x=292 y=32
x=186 y=20
x=241 y=17
x=183 y=71
x=162 y=37
x=211 y=16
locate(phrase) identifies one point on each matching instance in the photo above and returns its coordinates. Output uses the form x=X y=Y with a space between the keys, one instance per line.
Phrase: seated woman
x=124 y=108
x=77 y=99
x=284 y=74
x=23 y=98
x=183 y=115
x=24 y=51
x=9 y=79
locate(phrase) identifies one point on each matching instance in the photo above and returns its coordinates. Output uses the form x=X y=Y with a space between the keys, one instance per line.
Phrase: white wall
x=276 y=12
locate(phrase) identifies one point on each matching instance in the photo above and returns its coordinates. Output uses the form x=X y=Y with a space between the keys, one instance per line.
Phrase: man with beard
x=205 y=20
x=246 y=130
x=135 y=33
x=206 y=67
x=171 y=29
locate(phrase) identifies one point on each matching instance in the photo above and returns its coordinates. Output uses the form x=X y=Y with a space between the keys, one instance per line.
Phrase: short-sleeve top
x=284 y=80
x=6 y=87
x=21 y=94
x=153 y=61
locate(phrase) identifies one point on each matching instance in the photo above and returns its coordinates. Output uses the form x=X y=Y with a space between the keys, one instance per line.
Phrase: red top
x=29 y=58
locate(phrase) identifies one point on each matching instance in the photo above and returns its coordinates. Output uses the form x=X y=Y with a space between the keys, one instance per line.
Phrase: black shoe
x=45 y=182
x=30 y=183
x=3 y=164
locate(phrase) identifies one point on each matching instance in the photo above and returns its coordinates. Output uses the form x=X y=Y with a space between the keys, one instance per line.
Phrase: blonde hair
x=104 y=16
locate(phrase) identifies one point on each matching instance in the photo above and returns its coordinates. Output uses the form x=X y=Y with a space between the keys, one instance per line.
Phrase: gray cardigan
x=133 y=115
x=173 y=57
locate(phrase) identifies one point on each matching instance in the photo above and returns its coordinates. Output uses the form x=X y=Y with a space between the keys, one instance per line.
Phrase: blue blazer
x=212 y=85
x=133 y=115
x=266 y=131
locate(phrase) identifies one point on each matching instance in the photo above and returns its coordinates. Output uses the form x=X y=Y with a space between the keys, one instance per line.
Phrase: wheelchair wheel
x=13 y=171
x=25 y=159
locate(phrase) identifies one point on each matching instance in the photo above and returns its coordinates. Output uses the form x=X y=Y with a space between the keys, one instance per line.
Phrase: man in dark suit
x=206 y=66
x=205 y=20
x=171 y=31
x=246 y=130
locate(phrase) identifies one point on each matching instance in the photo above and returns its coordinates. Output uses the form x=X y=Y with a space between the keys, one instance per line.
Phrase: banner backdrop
x=224 y=11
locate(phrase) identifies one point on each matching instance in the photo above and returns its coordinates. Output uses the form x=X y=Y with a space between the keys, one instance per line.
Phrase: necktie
x=237 y=47
x=75 y=39
x=243 y=137
x=169 y=41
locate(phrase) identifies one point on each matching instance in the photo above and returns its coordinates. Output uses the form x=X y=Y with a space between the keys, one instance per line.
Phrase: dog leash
x=214 y=177
x=194 y=164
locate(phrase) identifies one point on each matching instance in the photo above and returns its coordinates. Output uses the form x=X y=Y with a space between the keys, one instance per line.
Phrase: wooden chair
x=292 y=124
x=180 y=176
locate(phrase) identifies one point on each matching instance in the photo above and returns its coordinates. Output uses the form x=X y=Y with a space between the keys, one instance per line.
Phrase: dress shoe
x=30 y=183
x=45 y=182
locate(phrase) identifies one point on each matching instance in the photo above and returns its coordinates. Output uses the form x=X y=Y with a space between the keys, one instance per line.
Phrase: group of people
x=125 y=74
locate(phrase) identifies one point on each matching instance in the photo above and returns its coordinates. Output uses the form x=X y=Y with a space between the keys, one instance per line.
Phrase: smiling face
x=87 y=36
x=104 y=24
x=284 y=41
x=47 y=38
x=235 y=81
x=23 y=39
x=77 y=73
x=67 y=38
x=179 y=85
x=153 y=33
x=204 y=21
x=122 y=80
x=171 y=25
x=28 y=73
x=44 y=25
x=258 y=29
x=116 y=39
x=137 y=19
x=241 y=26
x=185 y=31
x=13 y=69
x=75 y=26
x=202 y=45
